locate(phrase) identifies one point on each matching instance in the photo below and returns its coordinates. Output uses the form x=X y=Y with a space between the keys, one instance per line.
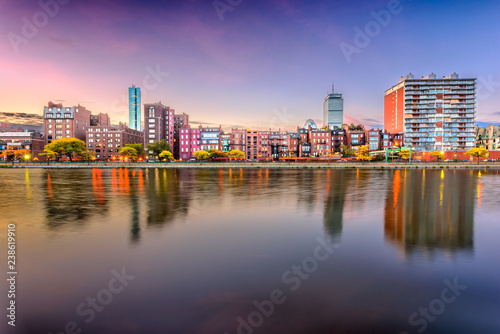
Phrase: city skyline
x=250 y=65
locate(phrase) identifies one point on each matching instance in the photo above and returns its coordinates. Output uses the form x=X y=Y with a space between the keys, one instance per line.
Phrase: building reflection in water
x=165 y=198
x=72 y=197
x=338 y=182
x=431 y=210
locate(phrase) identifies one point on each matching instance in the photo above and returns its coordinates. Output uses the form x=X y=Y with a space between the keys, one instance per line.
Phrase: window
x=68 y=126
x=49 y=115
x=58 y=121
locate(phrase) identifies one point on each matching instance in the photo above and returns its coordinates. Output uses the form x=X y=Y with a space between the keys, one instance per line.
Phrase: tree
x=48 y=154
x=139 y=148
x=237 y=154
x=201 y=155
x=346 y=151
x=215 y=153
x=405 y=153
x=128 y=153
x=166 y=155
x=438 y=155
x=159 y=146
x=69 y=147
x=16 y=154
x=363 y=153
x=477 y=152
x=87 y=155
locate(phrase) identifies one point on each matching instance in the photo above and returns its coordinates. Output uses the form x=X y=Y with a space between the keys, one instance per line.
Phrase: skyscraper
x=134 y=108
x=434 y=114
x=333 y=110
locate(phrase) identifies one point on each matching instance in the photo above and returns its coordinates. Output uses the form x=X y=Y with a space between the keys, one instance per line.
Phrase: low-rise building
x=106 y=141
x=32 y=141
x=210 y=138
x=189 y=142
x=488 y=137
x=374 y=139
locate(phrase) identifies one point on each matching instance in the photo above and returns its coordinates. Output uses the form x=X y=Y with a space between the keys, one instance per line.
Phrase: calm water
x=339 y=251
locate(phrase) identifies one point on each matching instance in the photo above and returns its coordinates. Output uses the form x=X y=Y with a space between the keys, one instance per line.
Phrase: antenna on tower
x=333 y=87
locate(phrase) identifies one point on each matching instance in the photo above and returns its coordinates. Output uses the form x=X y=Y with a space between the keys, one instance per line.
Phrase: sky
x=241 y=63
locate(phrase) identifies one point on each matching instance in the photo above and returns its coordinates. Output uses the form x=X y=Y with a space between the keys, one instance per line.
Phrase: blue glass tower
x=134 y=108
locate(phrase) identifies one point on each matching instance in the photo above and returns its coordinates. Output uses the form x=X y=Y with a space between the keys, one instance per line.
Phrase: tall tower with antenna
x=333 y=109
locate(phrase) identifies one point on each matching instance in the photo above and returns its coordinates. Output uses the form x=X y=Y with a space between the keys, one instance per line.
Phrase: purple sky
x=266 y=64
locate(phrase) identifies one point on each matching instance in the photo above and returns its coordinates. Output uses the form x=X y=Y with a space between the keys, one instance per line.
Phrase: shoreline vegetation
x=259 y=165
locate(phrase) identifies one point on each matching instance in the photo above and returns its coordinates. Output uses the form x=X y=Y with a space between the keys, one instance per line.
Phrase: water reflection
x=71 y=197
x=338 y=183
x=423 y=209
x=430 y=210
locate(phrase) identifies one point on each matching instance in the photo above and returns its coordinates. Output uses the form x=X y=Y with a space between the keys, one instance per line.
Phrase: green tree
x=87 y=155
x=139 y=148
x=167 y=155
x=48 y=154
x=215 y=153
x=128 y=153
x=438 y=155
x=405 y=153
x=159 y=146
x=236 y=154
x=69 y=147
x=346 y=151
x=477 y=152
x=201 y=155
x=363 y=153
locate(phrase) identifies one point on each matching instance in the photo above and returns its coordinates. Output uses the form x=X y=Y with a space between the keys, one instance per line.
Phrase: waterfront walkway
x=285 y=165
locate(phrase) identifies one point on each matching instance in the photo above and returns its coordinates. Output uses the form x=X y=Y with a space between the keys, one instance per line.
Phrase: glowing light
x=396 y=186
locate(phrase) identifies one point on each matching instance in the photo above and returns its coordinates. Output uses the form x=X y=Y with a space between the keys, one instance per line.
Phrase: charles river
x=253 y=250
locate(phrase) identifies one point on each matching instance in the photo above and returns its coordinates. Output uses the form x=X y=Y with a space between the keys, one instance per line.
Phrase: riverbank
x=281 y=165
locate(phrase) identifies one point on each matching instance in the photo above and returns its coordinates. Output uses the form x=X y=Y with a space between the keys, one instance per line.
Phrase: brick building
x=65 y=122
x=158 y=123
x=488 y=137
x=374 y=139
x=180 y=121
x=189 y=142
x=433 y=113
x=32 y=141
x=106 y=141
